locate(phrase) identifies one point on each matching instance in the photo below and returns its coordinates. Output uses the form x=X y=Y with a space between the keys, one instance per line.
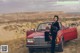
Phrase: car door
x=70 y=34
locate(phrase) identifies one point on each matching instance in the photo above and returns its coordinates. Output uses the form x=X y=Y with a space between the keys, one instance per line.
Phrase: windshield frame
x=37 y=29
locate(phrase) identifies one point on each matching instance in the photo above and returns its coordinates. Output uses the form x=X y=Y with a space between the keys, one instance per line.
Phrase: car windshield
x=44 y=26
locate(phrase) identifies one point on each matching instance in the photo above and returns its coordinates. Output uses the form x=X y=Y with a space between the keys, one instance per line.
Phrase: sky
x=12 y=6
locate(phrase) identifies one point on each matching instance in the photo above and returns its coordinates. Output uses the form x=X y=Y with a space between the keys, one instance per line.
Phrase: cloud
x=8 y=6
x=4 y=0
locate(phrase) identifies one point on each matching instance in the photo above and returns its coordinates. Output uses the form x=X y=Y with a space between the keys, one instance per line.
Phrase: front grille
x=40 y=41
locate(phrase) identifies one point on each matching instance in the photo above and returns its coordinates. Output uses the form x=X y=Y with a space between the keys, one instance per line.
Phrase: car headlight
x=30 y=40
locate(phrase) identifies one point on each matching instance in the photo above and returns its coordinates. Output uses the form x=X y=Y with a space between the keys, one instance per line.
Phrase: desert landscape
x=13 y=29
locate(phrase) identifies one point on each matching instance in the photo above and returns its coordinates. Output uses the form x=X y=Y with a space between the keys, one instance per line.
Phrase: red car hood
x=36 y=35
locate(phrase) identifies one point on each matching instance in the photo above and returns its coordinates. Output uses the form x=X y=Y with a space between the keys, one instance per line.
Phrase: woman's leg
x=53 y=46
x=53 y=43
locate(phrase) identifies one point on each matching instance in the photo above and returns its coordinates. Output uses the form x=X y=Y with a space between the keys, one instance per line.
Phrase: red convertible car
x=36 y=38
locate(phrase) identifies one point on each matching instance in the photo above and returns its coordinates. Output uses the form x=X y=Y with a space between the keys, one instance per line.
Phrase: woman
x=54 y=29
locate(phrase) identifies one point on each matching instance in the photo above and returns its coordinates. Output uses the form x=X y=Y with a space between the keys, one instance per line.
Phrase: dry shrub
x=16 y=46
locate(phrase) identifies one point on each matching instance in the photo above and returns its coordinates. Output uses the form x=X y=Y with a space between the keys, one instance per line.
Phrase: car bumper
x=40 y=46
x=46 y=47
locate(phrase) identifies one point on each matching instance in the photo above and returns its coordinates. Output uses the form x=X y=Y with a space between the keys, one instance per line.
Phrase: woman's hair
x=56 y=16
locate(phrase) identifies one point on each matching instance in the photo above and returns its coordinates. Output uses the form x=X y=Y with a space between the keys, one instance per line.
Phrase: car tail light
x=57 y=40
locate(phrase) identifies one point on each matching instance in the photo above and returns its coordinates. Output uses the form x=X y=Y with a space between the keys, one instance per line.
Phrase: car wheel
x=61 y=45
x=31 y=50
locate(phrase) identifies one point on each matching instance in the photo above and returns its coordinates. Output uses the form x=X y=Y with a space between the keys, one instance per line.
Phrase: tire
x=31 y=50
x=61 y=45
